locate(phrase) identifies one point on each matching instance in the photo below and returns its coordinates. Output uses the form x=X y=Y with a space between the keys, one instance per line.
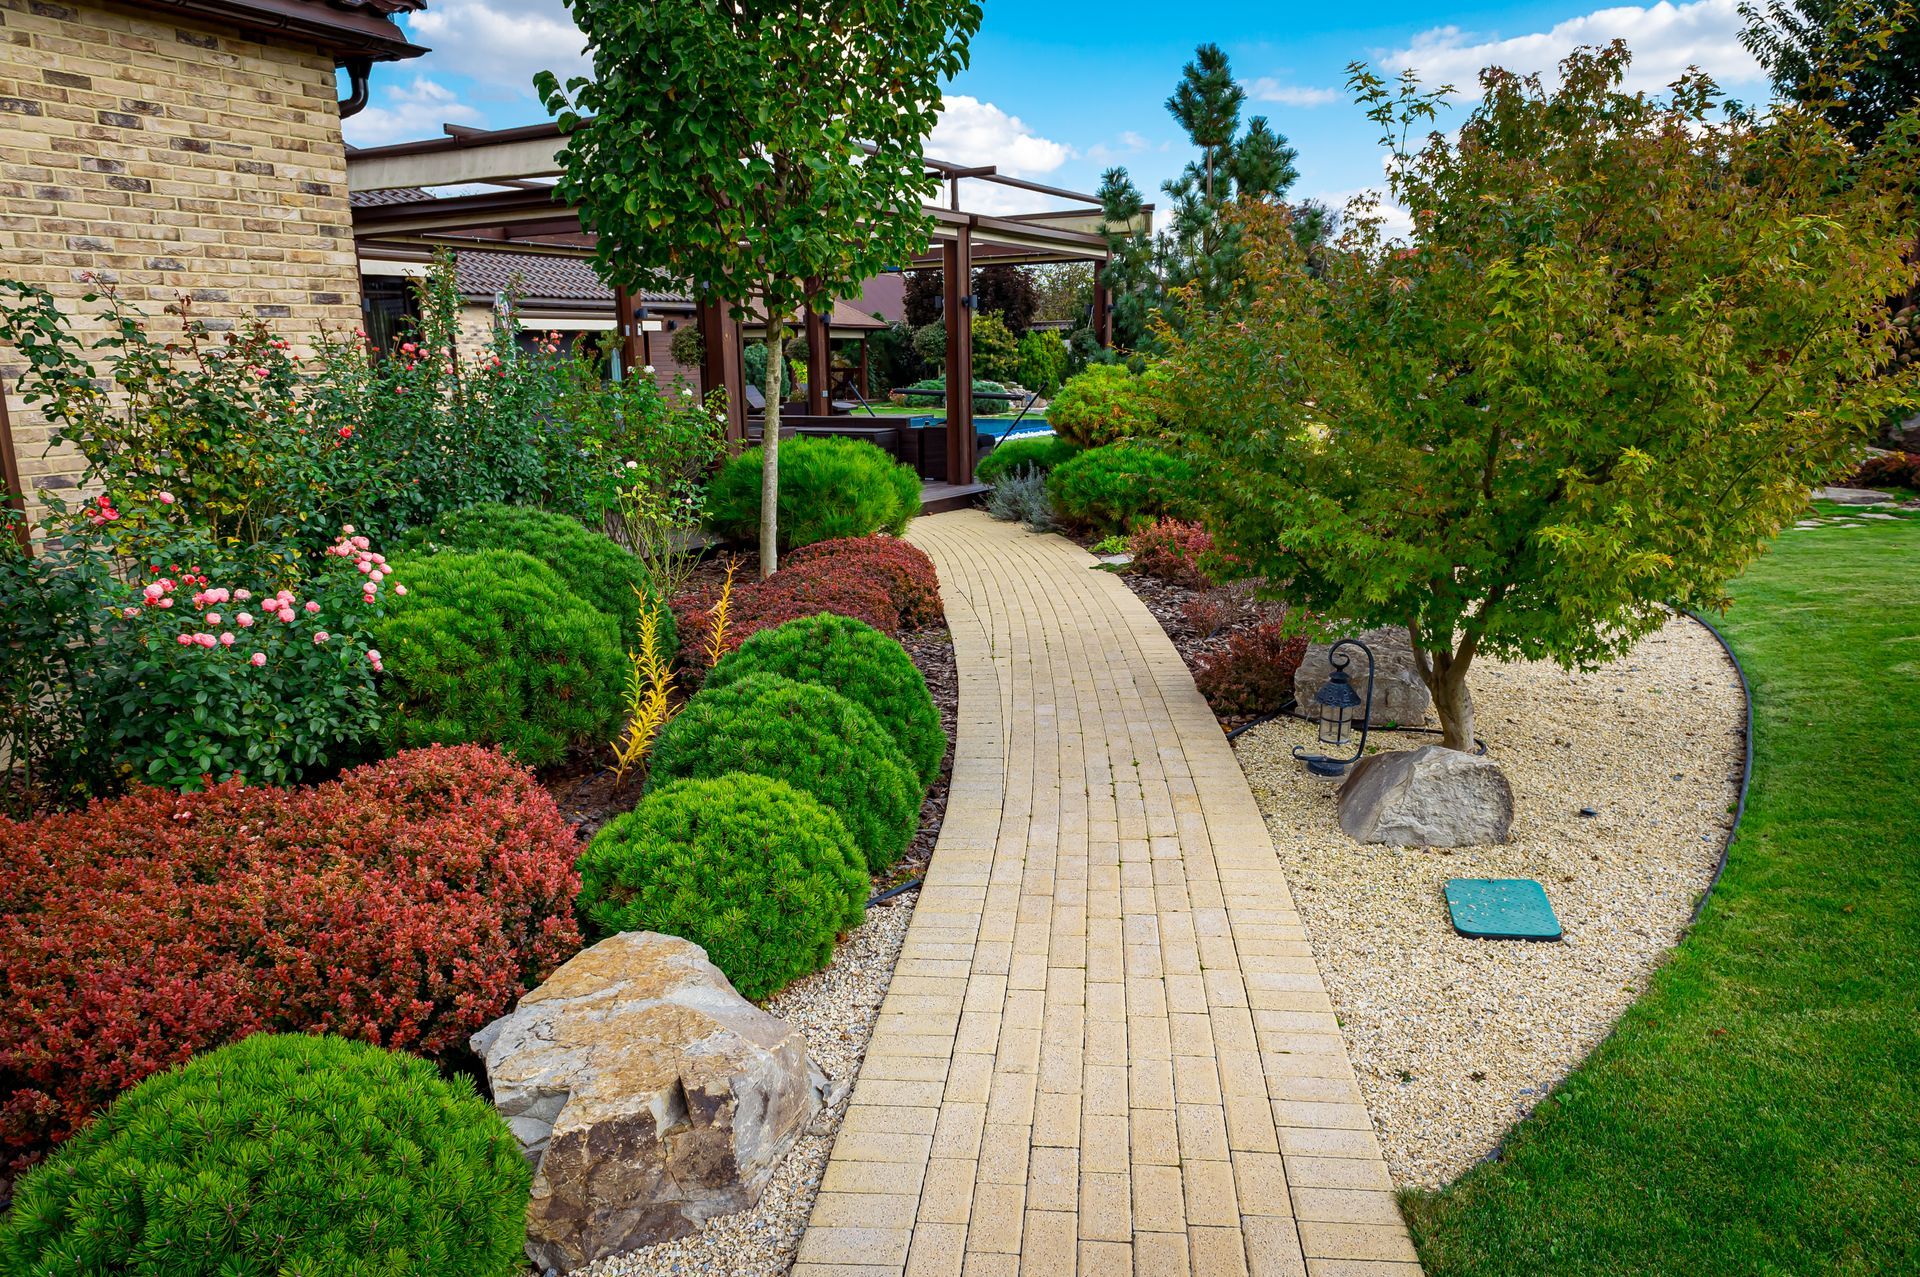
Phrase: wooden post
x=10 y=475
x=626 y=323
x=1102 y=311
x=865 y=393
x=720 y=366
x=957 y=311
x=819 y=365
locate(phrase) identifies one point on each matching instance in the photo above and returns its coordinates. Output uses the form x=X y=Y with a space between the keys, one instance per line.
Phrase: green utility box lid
x=1501 y=909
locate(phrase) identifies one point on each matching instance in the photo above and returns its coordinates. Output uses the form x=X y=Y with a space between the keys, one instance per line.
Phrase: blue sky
x=1060 y=89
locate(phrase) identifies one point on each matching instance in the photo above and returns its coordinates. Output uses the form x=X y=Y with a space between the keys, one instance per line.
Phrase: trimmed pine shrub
x=1113 y=488
x=588 y=563
x=1038 y=452
x=761 y=876
x=813 y=738
x=903 y=568
x=829 y=487
x=407 y=903
x=285 y=1154
x=1102 y=405
x=491 y=648
x=854 y=659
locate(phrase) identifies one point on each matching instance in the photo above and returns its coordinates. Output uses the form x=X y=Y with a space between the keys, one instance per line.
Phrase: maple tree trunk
x=1445 y=674
x=770 y=453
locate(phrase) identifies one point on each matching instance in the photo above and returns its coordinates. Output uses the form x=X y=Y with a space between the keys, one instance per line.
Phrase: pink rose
x=213 y=618
x=312 y=606
x=129 y=612
x=154 y=590
x=242 y=595
x=226 y=639
x=166 y=498
x=320 y=636
x=164 y=603
x=401 y=590
x=373 y=654
x=186 y=640
x=244 y=620
x=205 y=640
x=259 y=658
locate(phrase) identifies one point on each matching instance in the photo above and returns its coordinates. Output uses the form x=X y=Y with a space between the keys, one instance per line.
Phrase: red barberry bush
x=1887 y=470
x=405 y=904
x=1171 y=549
x=901 y=567
x=1253 y=673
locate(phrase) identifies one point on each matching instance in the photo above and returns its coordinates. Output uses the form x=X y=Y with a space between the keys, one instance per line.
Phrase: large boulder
x=1398 y=694
x=648 y=1095
x=1427 y=797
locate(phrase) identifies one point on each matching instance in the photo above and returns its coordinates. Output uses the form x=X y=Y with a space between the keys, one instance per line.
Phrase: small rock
x=1427 y=797
x=1852 y=496
x=648 y=1095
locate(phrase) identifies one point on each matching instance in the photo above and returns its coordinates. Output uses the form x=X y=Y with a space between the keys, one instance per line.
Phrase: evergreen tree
x=1856 y=61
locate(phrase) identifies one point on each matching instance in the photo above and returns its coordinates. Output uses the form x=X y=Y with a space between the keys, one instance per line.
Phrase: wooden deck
x=937 y=497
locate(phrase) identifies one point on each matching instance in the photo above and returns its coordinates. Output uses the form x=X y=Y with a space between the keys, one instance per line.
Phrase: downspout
x=358 y=69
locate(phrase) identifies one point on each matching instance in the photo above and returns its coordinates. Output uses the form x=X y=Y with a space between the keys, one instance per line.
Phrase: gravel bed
x=1455 y=1040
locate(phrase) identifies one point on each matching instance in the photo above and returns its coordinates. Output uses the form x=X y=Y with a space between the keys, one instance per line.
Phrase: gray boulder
x=1398 y=694
x=647 y=1094
x=1427 y=797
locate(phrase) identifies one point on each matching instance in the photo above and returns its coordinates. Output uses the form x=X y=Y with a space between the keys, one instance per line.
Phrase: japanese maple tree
x=1627 y=334
x=761 y=152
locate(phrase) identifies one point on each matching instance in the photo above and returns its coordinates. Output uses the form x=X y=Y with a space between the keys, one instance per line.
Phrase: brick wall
x=170 y=158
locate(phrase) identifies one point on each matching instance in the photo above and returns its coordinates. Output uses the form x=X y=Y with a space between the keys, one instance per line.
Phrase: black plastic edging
x=1746 y=766
x=912 y=884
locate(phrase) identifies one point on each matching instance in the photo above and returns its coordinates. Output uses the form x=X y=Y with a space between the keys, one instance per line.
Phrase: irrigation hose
x=911 y=884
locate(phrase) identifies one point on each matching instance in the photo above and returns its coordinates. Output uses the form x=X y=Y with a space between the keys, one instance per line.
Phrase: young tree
x=1626 y=337
x=1199 y=247
x=767 y=152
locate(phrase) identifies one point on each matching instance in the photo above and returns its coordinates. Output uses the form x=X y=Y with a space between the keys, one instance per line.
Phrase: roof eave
x=341 y=32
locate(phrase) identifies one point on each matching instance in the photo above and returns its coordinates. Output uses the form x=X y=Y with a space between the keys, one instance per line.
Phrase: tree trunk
x=770 y=451
x=1445 y=674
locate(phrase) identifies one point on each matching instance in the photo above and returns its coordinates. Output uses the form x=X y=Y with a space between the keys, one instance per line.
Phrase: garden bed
x=1455 y=1040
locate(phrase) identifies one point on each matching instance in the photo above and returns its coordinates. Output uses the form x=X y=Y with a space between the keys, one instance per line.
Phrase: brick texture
x=169 y=158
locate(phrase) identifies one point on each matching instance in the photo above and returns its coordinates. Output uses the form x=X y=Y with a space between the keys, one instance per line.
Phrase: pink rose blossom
x=373 y=654
x=154 y=590
x=244 y=620
x=320 y=636
x=164 y=603
x=205 y=640
x=226 y=639
x=243 y=595
x=401 y=590
x=166 y=498
x=186 y=640
x=213 y=618
x=129 y=612
x=312 y=606
x=346 y=529
x=259 y=658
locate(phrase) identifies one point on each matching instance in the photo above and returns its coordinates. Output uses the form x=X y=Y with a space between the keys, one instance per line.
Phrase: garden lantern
x=1340 y=709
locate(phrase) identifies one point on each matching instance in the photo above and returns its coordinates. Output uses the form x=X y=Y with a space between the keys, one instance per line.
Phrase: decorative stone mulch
x=1455 y=1040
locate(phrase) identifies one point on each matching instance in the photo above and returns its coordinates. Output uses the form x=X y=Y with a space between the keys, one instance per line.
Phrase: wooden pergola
x=516 y=211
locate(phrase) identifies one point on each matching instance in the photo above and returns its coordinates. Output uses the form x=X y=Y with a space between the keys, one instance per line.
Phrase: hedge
x=829 y=487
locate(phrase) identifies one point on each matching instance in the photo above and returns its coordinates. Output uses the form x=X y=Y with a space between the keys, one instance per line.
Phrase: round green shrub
x=755 y=872
x=859 y=662
x=1038 y=452
x=829 y=487
x=490 y=648
x=282 y=1153
x=810 y=736
x=1111 y=489
x=589 y=563
x=1102 y=405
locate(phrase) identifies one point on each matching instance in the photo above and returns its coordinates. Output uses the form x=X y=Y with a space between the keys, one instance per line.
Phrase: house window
x=389 y=308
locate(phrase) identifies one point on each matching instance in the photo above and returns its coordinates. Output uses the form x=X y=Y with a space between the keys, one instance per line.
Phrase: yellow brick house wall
x=171 y=159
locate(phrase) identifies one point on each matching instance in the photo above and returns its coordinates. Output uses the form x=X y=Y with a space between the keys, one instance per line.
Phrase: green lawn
x=1758 y=1111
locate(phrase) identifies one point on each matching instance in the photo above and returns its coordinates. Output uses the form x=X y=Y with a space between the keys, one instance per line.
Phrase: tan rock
x=1427 y=797
x=1399 y=695
x=648 y=1095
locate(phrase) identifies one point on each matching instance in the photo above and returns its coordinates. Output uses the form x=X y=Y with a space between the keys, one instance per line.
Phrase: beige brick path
x=1106 y=1049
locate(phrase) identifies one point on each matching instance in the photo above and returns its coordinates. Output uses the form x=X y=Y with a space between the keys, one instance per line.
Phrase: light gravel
x=835 y=1009
x=1455 y=1040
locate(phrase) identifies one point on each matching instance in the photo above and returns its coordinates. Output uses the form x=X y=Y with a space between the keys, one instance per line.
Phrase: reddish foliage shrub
x=1171 y=549
x=878 y=579
x=1887 y=470
x=904 y=569
x=1253 y=673
x=406 y=904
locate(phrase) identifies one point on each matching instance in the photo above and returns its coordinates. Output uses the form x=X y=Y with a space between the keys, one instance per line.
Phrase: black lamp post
x=1335 y=704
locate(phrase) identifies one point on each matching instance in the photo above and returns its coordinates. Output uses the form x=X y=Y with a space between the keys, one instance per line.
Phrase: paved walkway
x=1106 y=1049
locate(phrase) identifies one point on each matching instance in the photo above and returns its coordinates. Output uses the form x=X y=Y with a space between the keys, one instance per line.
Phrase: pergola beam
x=957 y=311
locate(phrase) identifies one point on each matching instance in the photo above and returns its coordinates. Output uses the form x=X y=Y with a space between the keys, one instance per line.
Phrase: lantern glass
x=1336 y=725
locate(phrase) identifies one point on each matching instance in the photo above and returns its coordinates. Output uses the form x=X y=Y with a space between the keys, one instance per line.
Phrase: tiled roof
x=386 y=7
x=542 y=279
x=399 y=195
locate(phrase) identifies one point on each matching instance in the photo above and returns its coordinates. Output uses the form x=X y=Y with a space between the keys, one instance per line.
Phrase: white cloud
x=974 y=132
x=501 y=43
x=1268 y=89
x=406 y=112
x=1665 y=39
x=1127 y=145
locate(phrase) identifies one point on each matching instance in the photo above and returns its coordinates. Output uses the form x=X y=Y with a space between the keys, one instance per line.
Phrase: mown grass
x=1758 y=1111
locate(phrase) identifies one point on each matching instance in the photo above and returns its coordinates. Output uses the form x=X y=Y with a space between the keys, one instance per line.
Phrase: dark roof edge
x=345 y=33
